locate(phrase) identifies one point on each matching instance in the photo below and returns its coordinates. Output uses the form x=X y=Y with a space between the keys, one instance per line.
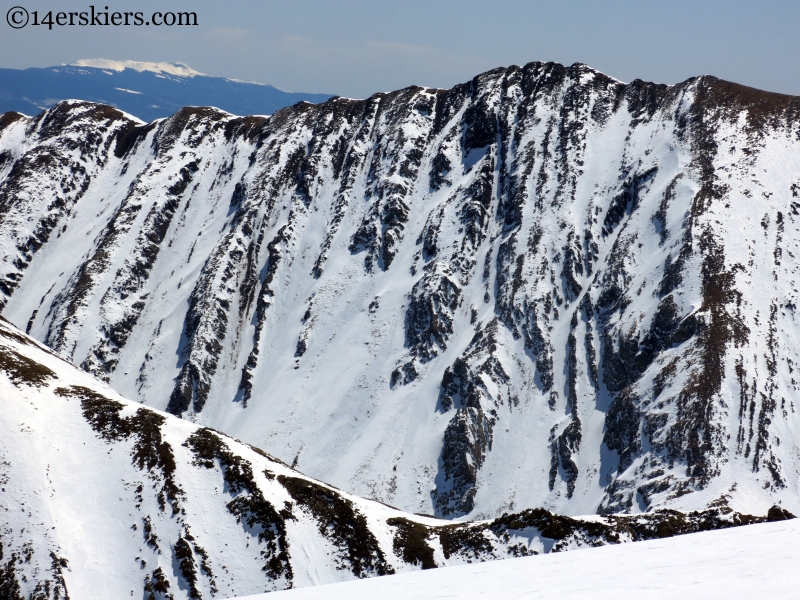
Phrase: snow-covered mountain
x=148 y=90
x=103 y=498
x=543 y=287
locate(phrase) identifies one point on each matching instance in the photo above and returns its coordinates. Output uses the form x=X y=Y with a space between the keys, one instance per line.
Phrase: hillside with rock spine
x=103 y=498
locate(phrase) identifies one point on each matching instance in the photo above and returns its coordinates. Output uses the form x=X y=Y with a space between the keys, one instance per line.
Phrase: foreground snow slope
x=737 y=564
x=103 y=498
x=543 y=287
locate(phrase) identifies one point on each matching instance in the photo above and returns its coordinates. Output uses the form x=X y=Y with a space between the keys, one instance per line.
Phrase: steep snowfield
x=102 y=498
x=543 y=287
x=755 y=562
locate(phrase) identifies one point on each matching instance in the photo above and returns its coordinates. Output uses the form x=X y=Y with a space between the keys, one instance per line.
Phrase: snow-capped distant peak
x=170 y=68
x=253 y=83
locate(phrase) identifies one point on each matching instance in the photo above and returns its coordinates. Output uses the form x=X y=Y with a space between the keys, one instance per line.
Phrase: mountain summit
x=542 y=287
x=169 y=68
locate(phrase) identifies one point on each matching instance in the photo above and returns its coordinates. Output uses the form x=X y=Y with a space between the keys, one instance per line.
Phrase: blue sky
x=354 y=47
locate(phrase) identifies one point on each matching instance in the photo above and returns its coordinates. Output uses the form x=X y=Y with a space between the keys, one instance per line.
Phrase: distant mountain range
x=146 y=90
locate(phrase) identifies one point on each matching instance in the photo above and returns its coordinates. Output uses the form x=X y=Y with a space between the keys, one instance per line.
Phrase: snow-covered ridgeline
x=103 y=498
x=543 y=287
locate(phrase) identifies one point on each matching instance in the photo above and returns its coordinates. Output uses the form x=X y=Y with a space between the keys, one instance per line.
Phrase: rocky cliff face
x=104 y=498
x=543 y=287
